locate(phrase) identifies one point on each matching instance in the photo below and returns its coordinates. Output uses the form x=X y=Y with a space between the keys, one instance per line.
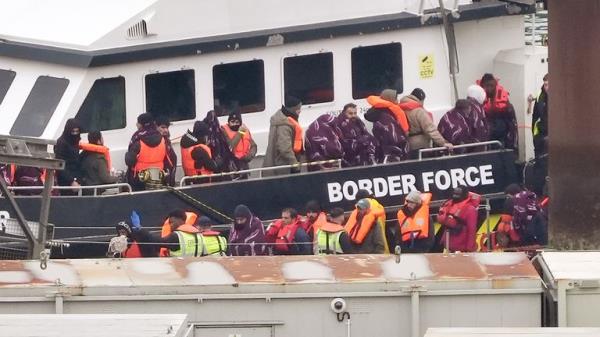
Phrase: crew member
x=212 y=242
x=458 y=216
x=500 y=113
x=287 y=235
x=331 y=237
x=416 y=232
x=390 y=125
x=167 y=229
x=240 y=141
x=365 y=234
x=196 y=156
x=132 y=240
x=185 y=240
x=285 y=140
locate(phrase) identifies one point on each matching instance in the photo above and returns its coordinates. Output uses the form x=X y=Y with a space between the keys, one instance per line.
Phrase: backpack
x=525 y=208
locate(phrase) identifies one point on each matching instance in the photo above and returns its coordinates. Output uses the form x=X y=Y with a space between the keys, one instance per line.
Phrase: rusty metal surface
x=238 y=272
x=574 y=117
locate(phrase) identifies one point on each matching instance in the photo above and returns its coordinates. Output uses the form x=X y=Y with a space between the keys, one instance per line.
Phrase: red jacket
x=462 y=231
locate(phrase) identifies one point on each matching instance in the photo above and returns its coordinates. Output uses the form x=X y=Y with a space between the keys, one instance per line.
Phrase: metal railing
x=260 y=170
x=123 y=188
x=462 y=146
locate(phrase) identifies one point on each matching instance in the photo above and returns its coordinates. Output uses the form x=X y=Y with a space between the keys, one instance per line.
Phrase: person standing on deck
x=499 y=112
x=322 y=142
x=67 y=149
x=240 y=141
x=390 y=125
x=285 y=138
x=162 y=125
x=358 y=145
x=196 y=156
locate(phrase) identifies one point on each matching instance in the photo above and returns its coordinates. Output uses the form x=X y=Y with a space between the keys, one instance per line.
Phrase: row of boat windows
x=239 y=85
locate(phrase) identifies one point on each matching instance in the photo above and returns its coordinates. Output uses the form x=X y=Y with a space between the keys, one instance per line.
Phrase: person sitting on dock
x=358 y=145
x=415 y=228
x=322 y=143
x=240 y=140
x=466 y=123
x=499 y=112
x=458 y=217
x=390 y=125
x=95 y=161
x=247 y=237
x=331 y=237
x=162 y=125
x=365 y=234
x=147 y=151
x=422 y=131
x=285 y=142
x=196 y=156
x=287 y=235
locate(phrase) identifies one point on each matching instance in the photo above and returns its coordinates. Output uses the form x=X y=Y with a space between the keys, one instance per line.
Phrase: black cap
x=419 y=93
x=292 y=102
x=145 y=118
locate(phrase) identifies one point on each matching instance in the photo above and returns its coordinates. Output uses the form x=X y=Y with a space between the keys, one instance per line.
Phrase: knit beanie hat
x=414 y=196
x=292 y=102
x=419 y=93
x=390 y=95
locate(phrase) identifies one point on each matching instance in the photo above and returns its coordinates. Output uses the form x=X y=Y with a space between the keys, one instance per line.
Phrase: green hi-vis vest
x=196 y=244
x=329 y=243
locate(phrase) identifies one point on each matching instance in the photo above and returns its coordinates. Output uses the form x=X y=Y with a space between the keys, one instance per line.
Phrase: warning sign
x=426 y=66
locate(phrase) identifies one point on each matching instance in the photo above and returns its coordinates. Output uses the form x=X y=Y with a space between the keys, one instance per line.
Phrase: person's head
x=234 y=121
x=123 y=228
x=419 y=94
x=488 y=83
x=362 y=193
x=204 y=223
x=363 y=206
x=313 y=208
x=177 y=218
x=201 y=131
x=477 y=93
x=293 y=104
x=241 y=217
x=95 y=137
x=162 y=125
x=545 y=85
x=336 y=215
x=513 y=189
x=350 y=111
x=389 y=95
x=72 y=131
x=460 y=193
x=144 y=120
x=413 y=200
x=288 y=215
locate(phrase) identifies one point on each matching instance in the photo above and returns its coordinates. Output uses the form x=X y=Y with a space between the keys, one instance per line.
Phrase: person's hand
x=75 y=184
x=530 y=99
x=243 y=128
x=449 y=146
x=135 y=221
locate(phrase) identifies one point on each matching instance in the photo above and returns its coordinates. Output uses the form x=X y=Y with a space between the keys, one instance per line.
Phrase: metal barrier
x=126 y=188
x=186 y=179
x=462 y=146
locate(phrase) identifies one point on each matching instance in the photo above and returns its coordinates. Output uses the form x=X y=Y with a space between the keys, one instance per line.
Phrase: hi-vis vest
x=151 y=156
x=417 y=226
x=187 y=162
x=98 y=149
x=199 y=244
x=358 y=231
x=298 y=140
x=190 y=220
x=243 y=146
x=399 y=114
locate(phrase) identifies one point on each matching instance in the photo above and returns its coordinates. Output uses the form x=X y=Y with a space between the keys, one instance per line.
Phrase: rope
x=199 y=205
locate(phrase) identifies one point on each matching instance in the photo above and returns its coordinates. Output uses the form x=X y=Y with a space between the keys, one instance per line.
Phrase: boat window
x=6 y=79
x=309 y=77
x=104 y=106
x=39 y=106
x=171 y=94
x=375 y=68
x=239 y=85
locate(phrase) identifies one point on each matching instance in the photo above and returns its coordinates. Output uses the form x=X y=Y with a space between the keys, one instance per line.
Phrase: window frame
x=264 y=93
x=166 y=71
x=10 y=83
x=401 y=65
x=283 y=77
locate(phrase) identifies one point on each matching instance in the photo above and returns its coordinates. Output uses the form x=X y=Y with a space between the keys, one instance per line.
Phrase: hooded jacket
x=201 y=158
x=248 y=238
x=280 y=142
x=390 y=136
x=150 y=136
x=422 y=130
x=67 y=149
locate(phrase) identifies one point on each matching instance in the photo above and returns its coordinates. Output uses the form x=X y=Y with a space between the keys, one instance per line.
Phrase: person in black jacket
x=203 y=160
x=67 y=149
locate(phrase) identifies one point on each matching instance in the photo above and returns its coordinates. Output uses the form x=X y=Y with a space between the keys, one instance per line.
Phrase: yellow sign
x=426 y=66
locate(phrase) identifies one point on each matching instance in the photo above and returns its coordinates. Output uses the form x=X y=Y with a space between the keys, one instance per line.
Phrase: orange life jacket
x=358 y=231
x=98 y=149
x=133 y=251
x=283 y=235
x=399 y=114
x=151 y=156
x=190 y=220
x=454 y=209
x=298 y=141
x=417 y=224
x=187 y=161
x=411 y=105
x=500 y=102
x=243 y=146
x=319 y=222
x=506 y=226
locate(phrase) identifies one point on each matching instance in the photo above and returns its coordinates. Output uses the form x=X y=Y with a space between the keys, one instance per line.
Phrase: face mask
x=234 y=127
x=239 y=226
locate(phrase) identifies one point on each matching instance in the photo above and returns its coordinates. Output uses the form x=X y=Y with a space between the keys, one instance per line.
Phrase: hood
x=410 y=102
x=66 y=136
x=279 y=119
x=188 y=140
